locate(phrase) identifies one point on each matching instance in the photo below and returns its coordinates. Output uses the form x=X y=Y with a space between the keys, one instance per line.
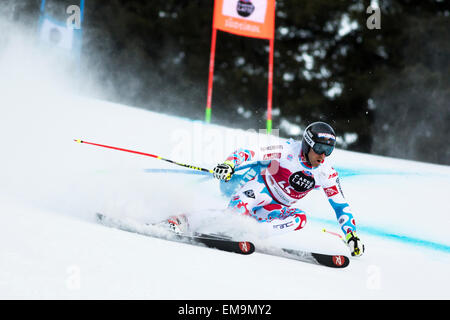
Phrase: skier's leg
x=280 y=219
x=178 y=224
x=253 y=199
x=250 y=197
x=243 y=201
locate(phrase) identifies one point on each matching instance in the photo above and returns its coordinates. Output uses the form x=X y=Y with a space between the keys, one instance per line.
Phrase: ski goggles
x=321 y=148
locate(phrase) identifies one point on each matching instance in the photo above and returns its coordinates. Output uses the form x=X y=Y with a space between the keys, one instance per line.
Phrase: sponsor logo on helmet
x=308 y=138
x=326 y=136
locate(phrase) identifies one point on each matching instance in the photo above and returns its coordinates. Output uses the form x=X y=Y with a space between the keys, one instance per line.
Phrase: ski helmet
x=320 y=137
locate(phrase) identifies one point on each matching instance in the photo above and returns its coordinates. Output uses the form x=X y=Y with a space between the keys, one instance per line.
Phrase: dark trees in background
x=389 y=86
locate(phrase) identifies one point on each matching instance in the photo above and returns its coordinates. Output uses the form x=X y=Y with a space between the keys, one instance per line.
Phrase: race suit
x=281 y=177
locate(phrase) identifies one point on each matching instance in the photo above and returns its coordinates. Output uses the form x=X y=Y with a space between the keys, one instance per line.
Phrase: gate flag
x=249 y=18
x=56 y=33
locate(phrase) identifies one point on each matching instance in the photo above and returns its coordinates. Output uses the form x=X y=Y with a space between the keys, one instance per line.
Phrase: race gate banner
x=249 y=18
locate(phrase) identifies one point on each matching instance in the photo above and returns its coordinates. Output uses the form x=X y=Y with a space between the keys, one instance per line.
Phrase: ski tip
x=341 y=261
x=246 y=247
x=337 y=261
x=78 y=140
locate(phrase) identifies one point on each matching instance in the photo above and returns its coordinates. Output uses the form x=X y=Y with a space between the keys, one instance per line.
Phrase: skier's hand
x=224 y=171
x=355 y=244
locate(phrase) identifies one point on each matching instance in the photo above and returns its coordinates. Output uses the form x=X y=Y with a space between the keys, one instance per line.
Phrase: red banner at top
x=249 y=18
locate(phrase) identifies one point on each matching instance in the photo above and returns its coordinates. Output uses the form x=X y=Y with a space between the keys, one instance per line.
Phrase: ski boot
x=177 y=224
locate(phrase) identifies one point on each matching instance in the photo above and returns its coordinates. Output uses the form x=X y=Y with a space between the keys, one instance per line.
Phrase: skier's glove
x=355 y=244
x=224 y=171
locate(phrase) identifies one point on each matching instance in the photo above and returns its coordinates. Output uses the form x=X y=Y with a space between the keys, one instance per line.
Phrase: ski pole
x=334 y=234
x=145 y=154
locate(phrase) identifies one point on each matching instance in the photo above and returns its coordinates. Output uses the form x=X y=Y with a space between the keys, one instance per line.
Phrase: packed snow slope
x=51 y=247
x=51 y=187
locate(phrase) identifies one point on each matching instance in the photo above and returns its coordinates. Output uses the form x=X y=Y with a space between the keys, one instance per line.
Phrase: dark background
x=393 y=83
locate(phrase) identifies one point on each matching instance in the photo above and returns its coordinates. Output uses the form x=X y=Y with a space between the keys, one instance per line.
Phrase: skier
x=282 y=175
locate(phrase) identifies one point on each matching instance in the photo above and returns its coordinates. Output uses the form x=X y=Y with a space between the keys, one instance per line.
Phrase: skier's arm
x=264 y=155
x=224 y=171
x=343 y=211
x=240 y=156
x=344 y=214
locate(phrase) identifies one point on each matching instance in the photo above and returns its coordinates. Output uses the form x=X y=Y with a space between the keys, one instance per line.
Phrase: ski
x=224 y=243
x=332 y=261
x=210 y=241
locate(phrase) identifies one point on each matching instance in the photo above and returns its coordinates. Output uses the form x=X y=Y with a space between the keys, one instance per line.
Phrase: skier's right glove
x=224 y=171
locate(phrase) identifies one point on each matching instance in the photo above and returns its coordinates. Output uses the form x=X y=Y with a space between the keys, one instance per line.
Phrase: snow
x=51 y=187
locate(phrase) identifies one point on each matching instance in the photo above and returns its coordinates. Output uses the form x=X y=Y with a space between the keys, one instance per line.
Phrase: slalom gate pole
x=145 y=154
